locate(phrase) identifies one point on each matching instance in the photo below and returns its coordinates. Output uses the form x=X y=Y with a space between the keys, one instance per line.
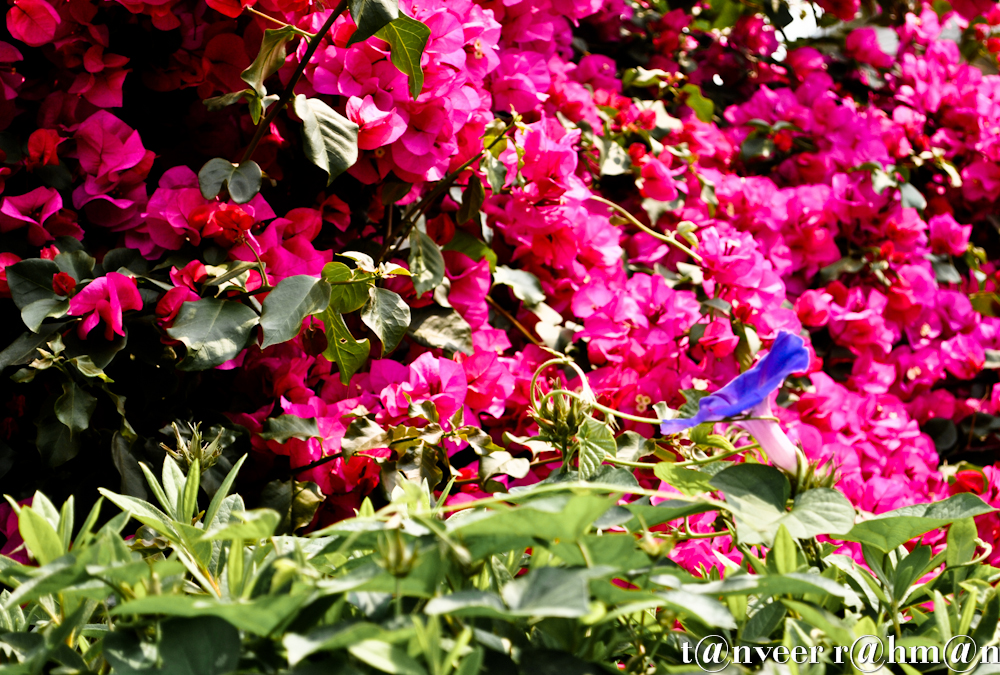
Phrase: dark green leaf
x=296 y=501
x=205 y=645
x=220 y=102
x=387 y=315
x=632 y=447
x=25 y=348
x=269 y=59
x=55 y=443
x=283 y=427
x=552 y=591
x=77 y=264
x=407 y=40
x=525 y=285
x=349 y=354
x=757 y=146
x=243 y=180
x=292 y=300
x=909 y=569
x=329 y=139
x=259 y=616
x=75 y=407
x=34 y=314
x=426 y=262
x=472 y=200
x=441 y=328
x=213 y=330
x=128 y=655
x=887 y=531
x=370 y=16
x=496 y=173
x=31 y=280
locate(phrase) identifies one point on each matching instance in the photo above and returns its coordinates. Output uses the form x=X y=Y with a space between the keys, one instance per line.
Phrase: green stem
x=297 y=31
x=648 y=230
x=289 y=91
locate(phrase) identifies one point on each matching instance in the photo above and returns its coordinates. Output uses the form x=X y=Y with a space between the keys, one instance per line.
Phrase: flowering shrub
x=477 y=245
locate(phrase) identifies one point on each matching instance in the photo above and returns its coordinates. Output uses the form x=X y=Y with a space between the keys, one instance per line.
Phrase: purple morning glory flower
x=749 y=392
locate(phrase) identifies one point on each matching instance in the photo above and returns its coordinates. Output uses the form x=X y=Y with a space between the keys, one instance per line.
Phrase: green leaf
x=595 y=442
x=349 y=287
x=370 y=16
x=55 y=442
x=25 y=348
x=259 y=616
x=472 y=200
x=910 y=196
x=205 y=645
x=387 y=315
x=386 y=657
x=329 y=139
x=426 y=262
x=252 y=525
x=223 y=491
x=632 y=447
x=888 y=531
x=961 y=542
x=296 y=502
x=525 y=285
x=41 y=538
x=703 y=107
x=188 y=501
x=819 y=511
x=784 y=553
x=75 y=407
x=349 y=354
x=242 y=180
x=407 y=40
x=689 y=481
x=909 y=569
x=363 y=434
x=463 y=242
x=283 y=427
x=441 y=328
x=31 y=280
x=143 y=511
x=34 y=314
x=496 y=173
x=756 y=494
x=552 y=591
x=77 y=264
x=220 y=102
x=757 y=146
x=291 y=301
x=269 y=59
x=213 y=330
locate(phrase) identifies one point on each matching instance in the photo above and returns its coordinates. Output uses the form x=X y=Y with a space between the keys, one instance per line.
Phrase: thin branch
x=289 y=91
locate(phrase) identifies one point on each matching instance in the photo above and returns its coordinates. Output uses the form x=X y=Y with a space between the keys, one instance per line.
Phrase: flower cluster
x=831 y=211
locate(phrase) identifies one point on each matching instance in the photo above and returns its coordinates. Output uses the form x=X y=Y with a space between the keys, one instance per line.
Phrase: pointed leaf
x=75 y=407
x=249 y=525
x=283 y=427
x=269 y=59
x=407 y=40
x=349 y=354
x=596 y=442
x=292 y=300
x=349 y=287
x=441 y=328
x=31 y=280
x=213 y=330
x=426 y=262
x=41 y=538
x=387 y=315
x=370 y=16
x=329 y=139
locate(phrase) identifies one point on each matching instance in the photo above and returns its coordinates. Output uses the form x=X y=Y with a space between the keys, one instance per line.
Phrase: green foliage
x=426 y=262
x=370 y=16
x=213 y=330
x=241 y=180
x=407 y=40
x=288 y=304
x=530 y=579
x=329 y=139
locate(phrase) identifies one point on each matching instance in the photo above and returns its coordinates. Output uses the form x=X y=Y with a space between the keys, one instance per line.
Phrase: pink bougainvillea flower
x=376 y=127
x=33 y=22
x=42 y=144
x=105 y=299
x=31 y=210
